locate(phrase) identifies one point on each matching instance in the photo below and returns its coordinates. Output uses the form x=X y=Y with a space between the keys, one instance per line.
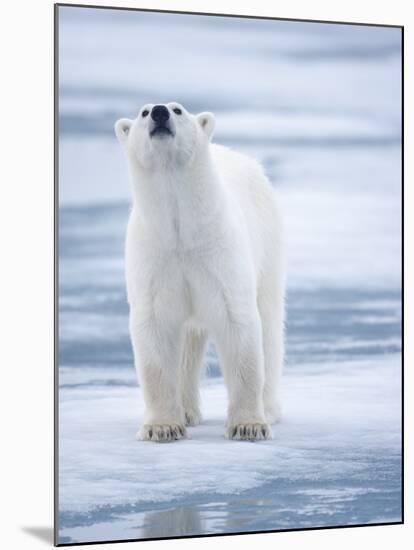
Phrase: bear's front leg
x=240 y=349
x=157 y=354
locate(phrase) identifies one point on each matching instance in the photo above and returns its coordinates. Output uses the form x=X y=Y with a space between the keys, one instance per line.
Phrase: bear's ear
x=207 y=123
x=122 y=128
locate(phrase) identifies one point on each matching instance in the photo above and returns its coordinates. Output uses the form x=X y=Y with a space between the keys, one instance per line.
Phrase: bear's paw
x=161 y=433
x=249 y=432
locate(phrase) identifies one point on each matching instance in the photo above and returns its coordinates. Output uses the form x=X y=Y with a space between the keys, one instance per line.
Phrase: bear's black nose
x=160 y=114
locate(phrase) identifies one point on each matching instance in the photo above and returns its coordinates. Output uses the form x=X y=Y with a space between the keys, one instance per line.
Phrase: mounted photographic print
x=228 y=274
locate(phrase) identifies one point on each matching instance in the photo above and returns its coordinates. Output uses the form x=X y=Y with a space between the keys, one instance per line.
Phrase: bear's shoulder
x=224 y=156
x=238 y=167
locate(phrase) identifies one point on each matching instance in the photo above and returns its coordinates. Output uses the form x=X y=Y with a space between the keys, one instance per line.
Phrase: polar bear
x=204 y=260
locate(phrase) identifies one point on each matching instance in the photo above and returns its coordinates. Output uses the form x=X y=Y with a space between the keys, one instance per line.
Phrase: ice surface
x=325 y=410
x=339 y=436
x=272 y=64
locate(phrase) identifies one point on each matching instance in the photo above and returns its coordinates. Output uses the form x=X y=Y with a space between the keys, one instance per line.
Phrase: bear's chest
x=184 y=227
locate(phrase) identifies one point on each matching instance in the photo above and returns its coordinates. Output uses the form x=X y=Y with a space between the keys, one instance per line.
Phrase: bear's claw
x=249 y=432
x=161 y=433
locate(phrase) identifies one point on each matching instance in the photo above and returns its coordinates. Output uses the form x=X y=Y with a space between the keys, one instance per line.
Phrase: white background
x=26 y=269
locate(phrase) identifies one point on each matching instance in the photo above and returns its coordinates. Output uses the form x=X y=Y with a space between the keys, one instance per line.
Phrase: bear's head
x=164 y=135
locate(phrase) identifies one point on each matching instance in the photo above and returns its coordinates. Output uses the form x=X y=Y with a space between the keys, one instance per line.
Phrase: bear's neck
x=178 y=203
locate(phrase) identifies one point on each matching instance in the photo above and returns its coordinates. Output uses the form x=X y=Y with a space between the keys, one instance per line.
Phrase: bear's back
x=248 y=185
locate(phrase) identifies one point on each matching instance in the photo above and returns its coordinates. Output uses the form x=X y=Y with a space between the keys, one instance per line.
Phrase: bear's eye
x=177 y=111
x=145 y=113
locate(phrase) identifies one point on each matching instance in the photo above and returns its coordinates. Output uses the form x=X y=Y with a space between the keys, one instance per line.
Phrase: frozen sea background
x=319 y=106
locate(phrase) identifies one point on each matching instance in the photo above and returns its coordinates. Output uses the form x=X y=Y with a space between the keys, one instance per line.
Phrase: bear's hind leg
x=192 y=361
x=271 y=313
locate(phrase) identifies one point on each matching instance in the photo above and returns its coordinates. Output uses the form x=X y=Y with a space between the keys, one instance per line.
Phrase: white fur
x=203 y=260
